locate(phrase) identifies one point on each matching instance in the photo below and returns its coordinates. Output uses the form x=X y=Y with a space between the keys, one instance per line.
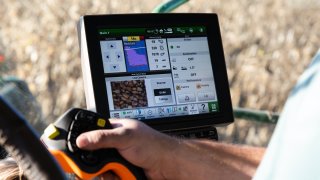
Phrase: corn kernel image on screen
x=158 y=72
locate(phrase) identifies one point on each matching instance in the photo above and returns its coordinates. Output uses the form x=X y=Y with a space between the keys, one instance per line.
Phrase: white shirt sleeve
x=294 y=149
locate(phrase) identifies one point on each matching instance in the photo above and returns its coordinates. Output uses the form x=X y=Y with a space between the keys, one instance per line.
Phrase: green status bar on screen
x=154 y=31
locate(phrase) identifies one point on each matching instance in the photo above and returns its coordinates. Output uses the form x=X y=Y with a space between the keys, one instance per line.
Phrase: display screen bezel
x=92 y=25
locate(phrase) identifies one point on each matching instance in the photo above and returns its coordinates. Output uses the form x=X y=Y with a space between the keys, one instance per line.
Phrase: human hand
x=136 y=142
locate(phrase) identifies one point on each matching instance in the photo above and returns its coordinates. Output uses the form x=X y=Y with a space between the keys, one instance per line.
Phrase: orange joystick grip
x=60 y=139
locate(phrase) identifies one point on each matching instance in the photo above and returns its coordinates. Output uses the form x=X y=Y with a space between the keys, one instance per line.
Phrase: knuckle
x=126 y=132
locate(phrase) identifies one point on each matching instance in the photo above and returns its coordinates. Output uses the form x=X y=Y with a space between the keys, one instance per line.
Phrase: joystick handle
x=60 y=138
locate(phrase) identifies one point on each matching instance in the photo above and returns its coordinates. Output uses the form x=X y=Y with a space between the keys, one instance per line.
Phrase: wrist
x=163 y=157
x=170 y=166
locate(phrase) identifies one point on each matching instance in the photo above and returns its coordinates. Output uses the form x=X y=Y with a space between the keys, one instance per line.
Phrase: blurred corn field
x=267 y=46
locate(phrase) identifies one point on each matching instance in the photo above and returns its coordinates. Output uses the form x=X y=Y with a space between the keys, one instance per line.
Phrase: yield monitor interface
x=167 y=70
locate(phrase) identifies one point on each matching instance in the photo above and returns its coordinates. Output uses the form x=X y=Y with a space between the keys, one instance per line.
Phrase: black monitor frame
x=92 y=23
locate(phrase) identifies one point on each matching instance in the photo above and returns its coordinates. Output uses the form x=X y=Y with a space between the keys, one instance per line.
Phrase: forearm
x=204 y=159
x=165 y=157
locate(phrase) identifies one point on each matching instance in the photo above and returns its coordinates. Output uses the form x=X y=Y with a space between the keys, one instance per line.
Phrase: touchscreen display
x=158 y=72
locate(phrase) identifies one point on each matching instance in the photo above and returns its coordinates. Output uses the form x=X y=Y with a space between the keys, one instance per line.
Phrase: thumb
x=97 y=139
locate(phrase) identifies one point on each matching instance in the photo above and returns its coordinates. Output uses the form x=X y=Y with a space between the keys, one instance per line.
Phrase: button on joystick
x=89 y=158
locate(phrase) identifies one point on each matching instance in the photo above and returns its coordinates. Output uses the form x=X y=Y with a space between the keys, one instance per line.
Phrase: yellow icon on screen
x=133 y=38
